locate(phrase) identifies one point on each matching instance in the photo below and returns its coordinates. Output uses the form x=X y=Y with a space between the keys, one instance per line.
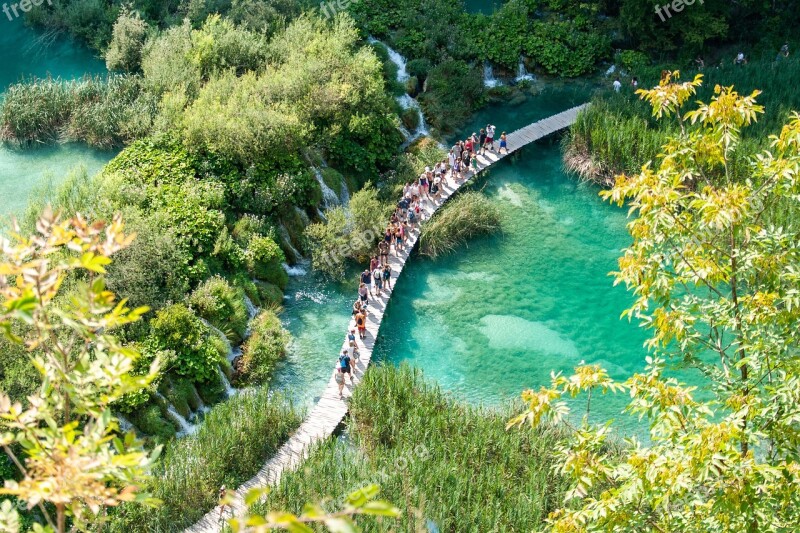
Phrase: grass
x=618 y=134
x=440 y=461
x=467 y=216
x=229 y=448
x=103 y=112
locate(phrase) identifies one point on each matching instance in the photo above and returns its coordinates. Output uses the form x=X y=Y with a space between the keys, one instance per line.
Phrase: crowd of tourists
x=376 y=280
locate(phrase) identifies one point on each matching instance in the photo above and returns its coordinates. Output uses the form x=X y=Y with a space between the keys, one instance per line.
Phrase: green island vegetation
x=469 y=215
x=138 y=354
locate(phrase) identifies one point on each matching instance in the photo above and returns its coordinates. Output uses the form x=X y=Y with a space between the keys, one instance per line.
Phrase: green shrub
x=151 y=422
x=468 y=215
x=262 y=350
x=125 y=51
x=177 y=328
x=270 y=295
x=230 y=447
x=221 y=305
x=455 y=90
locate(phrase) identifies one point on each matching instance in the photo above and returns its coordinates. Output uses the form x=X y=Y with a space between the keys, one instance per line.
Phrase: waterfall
x=329 y=196
x=186 y=427
x=344 y=197
x=394 y=57
x=406 y=101
x=286 y=241
x=252 y=310
x=124 y=424
x=522 y=72
x=611 y=70
x=229 y=390
x=488 y=76
x=303 y=216
x=297 y=270
x=214 y=329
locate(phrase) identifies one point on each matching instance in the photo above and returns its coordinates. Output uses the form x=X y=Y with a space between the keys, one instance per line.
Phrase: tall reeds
x=442 y=462
x=468 y=215
x=235 y=439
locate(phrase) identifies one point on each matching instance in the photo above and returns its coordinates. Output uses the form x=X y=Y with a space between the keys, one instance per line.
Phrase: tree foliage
x=64 y=440
x=715 y=280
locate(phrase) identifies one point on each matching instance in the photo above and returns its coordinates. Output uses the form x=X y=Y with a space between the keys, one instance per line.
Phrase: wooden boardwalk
x=330 y=411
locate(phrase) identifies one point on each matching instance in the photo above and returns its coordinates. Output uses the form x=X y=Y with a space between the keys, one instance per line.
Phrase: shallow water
x=25 y=54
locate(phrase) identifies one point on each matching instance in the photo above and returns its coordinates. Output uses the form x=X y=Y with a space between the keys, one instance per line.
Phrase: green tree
x=714 y=270
x=64 y=439
x=125 y=50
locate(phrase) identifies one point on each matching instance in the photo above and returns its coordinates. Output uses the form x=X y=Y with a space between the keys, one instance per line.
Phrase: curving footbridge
x=330 y=411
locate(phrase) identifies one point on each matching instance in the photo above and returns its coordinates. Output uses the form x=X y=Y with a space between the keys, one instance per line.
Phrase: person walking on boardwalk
x=387 y=277
x=383 y=251
x=363 y=293
x=503 y=143
x=474 y=163
x=482 y=141
x=344 y=365
x=361 y=324
x=490 y=129
x=352 y=351
x=377 y=279
x=366 y=279
x=339 y=377
x=351 y=337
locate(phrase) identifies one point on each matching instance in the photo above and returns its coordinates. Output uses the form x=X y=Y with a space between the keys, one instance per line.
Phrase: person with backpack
x=387 y=277
x=344 y=365
x=366 y=279
x=482 y=141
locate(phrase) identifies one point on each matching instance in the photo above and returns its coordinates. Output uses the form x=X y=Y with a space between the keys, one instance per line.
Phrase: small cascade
x=344 y=197
x=329 y=196
x=186 y=427
x=303 y=216
x=489 y=80
x=394 y=57
x=522 y=72
x=229 y=390
x=406 y=101
x=298 y=270
x=286 y=241
x=214 y=329
x=611 y=70
x=252 y=310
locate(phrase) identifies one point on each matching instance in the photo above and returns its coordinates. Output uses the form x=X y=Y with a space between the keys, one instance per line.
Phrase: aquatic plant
x=468 y=215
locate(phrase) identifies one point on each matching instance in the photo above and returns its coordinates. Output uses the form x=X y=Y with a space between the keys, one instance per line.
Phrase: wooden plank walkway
x=330 y=411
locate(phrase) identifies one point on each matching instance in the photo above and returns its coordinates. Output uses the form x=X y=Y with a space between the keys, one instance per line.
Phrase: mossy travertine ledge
x=329 y=411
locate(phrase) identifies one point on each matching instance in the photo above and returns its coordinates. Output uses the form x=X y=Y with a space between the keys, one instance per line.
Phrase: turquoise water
x=487 y=7
x=26 y=53
x=505 y=311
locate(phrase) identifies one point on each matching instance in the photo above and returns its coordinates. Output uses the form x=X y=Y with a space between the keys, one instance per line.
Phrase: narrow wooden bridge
x=330 y=411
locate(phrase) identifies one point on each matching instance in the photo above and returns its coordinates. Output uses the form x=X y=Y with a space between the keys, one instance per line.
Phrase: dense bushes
x=446 y=463
x=348 y=233
x=125 y=50
x=262 y=350
x=466 y=216
x=222 y=306
x=176 y=328
x=230 y=447
x=618 y=133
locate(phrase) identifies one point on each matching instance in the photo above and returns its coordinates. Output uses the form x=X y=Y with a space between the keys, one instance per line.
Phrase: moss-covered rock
x=333 y=179
x=270 y=295
x=262 y=350
x=150 y=421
